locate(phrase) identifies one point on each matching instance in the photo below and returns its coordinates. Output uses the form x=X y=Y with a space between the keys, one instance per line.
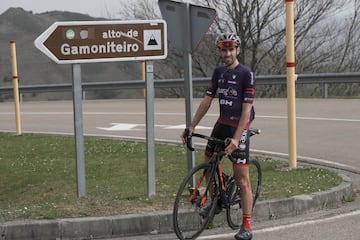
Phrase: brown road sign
x=104 y=41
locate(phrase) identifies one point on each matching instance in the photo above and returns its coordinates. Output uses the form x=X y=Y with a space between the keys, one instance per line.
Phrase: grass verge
x=38 y=177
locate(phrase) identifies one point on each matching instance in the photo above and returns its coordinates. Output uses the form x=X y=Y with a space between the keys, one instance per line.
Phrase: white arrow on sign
x=135 y=127
x=104 y=41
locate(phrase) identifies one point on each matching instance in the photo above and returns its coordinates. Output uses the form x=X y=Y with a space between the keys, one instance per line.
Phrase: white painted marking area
x=287 y=226
x=310 y=159
x=311 y=118
x=138 y=127
x=118 y=127
x=182 y=114
x=121 y=127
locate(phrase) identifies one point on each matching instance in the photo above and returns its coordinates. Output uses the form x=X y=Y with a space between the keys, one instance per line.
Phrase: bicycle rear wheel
x=233 y=211
x=191 y=199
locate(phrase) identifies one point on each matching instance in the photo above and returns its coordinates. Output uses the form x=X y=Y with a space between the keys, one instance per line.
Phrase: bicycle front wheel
x=233 y=211
x=195 y=203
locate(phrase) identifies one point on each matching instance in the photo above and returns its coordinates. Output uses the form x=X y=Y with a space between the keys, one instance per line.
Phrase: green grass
x=38 y=177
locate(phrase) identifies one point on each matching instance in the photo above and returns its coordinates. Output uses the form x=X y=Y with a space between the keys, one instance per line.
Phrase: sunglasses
x=227 y=44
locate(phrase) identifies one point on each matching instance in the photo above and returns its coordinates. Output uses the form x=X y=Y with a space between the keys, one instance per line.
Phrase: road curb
x=161 y=222
x=302 y=204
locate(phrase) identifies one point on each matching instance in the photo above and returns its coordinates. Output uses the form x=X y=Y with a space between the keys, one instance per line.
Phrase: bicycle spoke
x=191 y=201
x=255 y=178
x=234 y=211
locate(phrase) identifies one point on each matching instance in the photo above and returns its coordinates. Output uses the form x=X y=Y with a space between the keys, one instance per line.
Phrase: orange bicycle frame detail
x=221 y=177
x=193 y=195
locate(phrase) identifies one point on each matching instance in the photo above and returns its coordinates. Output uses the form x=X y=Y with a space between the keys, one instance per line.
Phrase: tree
x=325 y=47
x=349 y=56
x=261 y=27
x=325 y=41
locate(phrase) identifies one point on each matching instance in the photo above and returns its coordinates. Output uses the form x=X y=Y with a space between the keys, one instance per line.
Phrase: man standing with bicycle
x=235 y=85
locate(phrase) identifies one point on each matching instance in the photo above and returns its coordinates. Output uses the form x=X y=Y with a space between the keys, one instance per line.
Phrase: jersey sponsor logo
x=243 y=137
x=229 y=92
x=240 y=161
x=248 y=99
x=221 y=80
x=226 y=102
x=232 y=92
x=252 y=78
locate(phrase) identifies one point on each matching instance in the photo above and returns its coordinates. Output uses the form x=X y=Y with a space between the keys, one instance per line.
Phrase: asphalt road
x=330 y=225
x=327 y=133
x=327 y=129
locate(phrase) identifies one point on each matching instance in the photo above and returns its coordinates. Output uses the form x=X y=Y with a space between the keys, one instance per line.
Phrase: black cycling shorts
x=222 y=131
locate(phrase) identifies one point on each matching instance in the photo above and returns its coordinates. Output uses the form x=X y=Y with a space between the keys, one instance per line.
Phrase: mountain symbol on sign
x=152 y=41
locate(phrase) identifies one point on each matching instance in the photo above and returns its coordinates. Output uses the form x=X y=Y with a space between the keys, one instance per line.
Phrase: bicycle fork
x=196 y=191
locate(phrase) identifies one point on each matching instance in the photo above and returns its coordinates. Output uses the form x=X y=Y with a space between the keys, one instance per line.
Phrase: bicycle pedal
x=191 y=191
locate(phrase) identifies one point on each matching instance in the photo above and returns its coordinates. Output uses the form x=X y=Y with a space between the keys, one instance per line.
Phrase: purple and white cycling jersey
x=234 y=88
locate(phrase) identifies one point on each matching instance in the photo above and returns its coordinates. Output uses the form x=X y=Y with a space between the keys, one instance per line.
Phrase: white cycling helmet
x=228 y=40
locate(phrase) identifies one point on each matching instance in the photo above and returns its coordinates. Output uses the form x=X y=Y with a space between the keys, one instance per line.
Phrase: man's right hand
x=186 y=134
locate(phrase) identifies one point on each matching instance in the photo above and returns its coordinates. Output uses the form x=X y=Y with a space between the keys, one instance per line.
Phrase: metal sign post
x=106 y=41
x=150 y=128
x=188 y=80
x=78 y=129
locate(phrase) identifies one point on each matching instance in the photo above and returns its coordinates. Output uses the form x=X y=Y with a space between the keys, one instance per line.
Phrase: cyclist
x=235 y=85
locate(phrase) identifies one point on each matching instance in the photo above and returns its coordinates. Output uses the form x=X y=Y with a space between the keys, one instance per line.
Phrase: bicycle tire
x=187 y=221
x=233 y=210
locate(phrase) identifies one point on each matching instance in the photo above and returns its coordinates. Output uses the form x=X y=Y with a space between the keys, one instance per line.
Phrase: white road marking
x=121 y=127
x=286 y=226
x=311 y=118
x=183 y=114
x=138 y=127
x=311 y=160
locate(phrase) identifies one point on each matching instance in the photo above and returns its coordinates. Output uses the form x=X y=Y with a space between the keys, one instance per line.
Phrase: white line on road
x=311 y=118
x=309 y=159
x=138 y=127
x=286 y=226
x=181 y=114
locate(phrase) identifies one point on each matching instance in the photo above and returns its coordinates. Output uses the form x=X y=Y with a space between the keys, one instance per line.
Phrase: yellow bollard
x=291 y=78
x=16 y=86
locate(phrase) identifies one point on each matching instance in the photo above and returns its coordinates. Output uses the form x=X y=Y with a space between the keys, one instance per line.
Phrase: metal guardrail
x=323 y=78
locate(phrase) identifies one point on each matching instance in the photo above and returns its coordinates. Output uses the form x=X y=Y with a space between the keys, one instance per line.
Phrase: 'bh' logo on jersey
x=226 y=102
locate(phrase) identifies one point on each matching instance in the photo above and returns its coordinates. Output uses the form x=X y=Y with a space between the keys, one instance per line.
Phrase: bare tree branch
x=353 y=28
x=324 y=42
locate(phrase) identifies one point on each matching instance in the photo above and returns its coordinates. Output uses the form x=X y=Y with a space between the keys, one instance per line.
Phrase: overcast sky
x=95 y=8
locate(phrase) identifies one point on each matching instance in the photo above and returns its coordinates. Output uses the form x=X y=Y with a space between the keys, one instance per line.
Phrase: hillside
x=36 y=68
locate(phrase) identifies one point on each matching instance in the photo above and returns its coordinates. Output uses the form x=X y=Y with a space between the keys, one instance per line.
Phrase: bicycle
x=194 y=192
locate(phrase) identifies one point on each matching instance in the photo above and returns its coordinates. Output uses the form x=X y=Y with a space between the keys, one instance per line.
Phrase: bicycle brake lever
x=227 y=141
x=188 y=140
